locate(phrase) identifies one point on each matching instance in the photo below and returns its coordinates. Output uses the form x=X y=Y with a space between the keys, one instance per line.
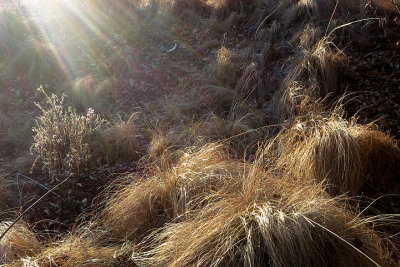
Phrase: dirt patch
x=373 y=79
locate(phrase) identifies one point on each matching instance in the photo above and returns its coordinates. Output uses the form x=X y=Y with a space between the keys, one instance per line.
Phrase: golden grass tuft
x=312 y=79
x=159 y=146
x=267 y=221
x=349 y=157
x=74 y=251
x=19 y=242
x=318 y=68
x=167 y=193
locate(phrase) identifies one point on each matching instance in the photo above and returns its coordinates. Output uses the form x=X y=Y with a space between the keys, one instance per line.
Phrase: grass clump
x=349 y=157
x=19 y=242
x=122 y=141
x=265 y=221
x=167 y=192
x=89 y=92
x=7 y=198
x=74 y=251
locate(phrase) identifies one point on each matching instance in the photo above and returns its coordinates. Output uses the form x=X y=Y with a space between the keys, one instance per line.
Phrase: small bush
x=60 y=138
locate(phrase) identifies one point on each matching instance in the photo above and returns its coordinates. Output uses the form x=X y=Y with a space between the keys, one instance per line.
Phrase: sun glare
x=73 y=29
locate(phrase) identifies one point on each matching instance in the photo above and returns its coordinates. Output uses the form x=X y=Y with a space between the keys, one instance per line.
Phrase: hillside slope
x=200 y=133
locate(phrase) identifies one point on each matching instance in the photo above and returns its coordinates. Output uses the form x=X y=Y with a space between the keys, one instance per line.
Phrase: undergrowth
x=223 y=145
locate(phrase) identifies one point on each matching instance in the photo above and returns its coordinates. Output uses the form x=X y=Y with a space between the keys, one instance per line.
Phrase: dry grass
x=225 y=8
x=317 y=70
x=167 y=193
x=199 y=206
x=74 y=251
x=19 y=242
x=324 y=9
x=349 y=157
x=226 y=69
x=123 y=141
x=388 y=5
x=312 y=79
x=89 y=92
x=7 y=198
x=179 y=7
x=267 y=221
x=158 y=148
x=243 y=129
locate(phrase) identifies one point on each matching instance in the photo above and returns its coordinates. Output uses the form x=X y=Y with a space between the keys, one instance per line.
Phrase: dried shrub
x=60 y=138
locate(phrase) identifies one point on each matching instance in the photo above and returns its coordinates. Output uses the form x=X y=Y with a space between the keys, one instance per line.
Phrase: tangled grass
x=264 y=220
x=208 y=206
x=167 y=193
x=74 y=251
x=19 y=242
x=351 y=158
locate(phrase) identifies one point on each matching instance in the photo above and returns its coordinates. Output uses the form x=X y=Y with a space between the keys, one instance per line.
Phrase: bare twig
x=353 y=22
x=35 y=182
x=330 y=19
x=264 y=20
